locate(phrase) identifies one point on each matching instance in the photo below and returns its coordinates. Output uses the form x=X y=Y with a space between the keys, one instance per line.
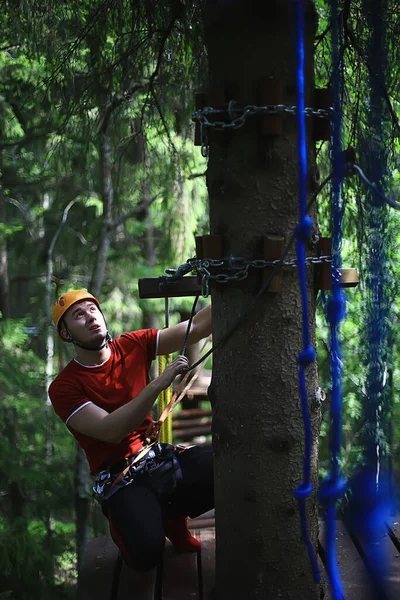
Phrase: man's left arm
x=171 y=339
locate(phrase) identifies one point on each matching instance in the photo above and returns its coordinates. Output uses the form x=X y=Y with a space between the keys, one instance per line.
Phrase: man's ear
x=65 y=334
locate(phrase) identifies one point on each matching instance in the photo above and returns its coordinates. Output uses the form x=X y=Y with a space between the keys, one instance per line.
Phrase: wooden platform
x=104 y=577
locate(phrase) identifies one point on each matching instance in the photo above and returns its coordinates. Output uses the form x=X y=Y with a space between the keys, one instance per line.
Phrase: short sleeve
x=147 y=339
x=66 y=398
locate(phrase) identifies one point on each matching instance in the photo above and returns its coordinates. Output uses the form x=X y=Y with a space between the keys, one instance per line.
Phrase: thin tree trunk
x=9 y=414
x=257 y=423
x=82 y=504
x=150 y=252
x=82 y=473
x=4 y=282
x=149 y=317
x=107 y=193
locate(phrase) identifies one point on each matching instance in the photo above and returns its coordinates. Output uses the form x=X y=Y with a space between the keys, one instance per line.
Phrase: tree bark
x=4 y=282
x=107 y=193
x=82 y=473
x=9 y=413
x=150 y=319
x=257 y=422
x=82 y=504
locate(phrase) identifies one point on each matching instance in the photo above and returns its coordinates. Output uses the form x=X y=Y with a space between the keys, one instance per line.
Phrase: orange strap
x=142 y=453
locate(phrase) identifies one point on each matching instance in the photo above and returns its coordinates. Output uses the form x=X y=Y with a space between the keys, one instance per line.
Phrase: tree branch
x=384 y=91
x=5 y=48
x=158 y=107
x=79 y=235
x=115 y=102
x=22 y=208
x=135 y=211
x=164 y=38
x=26 y=139
x=119 y=99
x=194 y=175
x=49 y=274
x=87 y=28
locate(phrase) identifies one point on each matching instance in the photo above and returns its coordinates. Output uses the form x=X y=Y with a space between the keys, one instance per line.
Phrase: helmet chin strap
x=97 y=348
x=105 y=343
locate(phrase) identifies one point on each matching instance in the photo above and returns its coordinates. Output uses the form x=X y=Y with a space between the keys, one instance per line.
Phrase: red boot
x=179 y=535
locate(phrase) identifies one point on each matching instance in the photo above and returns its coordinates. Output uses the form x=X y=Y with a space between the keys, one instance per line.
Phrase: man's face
x=86 y=324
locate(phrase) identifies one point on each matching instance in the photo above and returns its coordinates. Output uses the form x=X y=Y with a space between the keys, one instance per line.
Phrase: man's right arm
x=93 y=421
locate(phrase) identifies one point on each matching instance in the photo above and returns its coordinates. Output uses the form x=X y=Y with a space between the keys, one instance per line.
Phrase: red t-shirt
x=109 y=386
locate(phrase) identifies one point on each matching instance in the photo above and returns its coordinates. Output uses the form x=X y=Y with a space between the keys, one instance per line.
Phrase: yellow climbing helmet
x=65 y=301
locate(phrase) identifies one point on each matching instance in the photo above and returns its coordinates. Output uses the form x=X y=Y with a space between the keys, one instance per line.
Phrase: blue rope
x=334 y=485
x=370 y=503
x=303 y=231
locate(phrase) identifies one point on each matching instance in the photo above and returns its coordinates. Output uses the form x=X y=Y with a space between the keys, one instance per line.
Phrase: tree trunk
x=107 y=193
x=9 y=413
x=82 y=473
x=4 y=282
x=257 y=424
x=150 y=319
x=82 y=504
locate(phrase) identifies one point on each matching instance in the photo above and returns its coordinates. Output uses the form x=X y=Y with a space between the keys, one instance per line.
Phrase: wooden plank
x=349 y=278
x=389 y=549
x=355 y=558
x=204 y=521
x=162 y=287
x=202 y=524
x=202 y=424
x=351 y=567
x=273 y=250
x=394 y=572
x=190 y=413
x=207 y=538
x=382 y=549
x=100 y=570
x=180 y=570
x=210 y=514
x=190 y=433
x=180 y=581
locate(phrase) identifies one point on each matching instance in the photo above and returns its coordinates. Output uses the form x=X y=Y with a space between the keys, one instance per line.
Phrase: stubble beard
x=96 y=341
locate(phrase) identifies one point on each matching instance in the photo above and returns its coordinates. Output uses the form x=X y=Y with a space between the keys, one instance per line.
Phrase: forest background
x=100 y=185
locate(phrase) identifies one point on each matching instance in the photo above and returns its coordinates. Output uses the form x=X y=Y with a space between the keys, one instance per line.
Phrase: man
x=105 y=397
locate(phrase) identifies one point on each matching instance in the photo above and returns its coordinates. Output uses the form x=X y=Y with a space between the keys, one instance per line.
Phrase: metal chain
x=235 y=122
x=237 y=268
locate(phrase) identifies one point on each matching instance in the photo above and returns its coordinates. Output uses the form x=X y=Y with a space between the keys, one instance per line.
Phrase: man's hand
x=178 y=366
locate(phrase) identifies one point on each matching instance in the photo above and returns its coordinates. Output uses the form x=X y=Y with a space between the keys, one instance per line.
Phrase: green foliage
x=81 y=75
x=33 y=479
x=357 y=132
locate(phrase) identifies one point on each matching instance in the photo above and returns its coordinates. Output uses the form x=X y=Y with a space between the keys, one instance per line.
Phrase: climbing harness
x=155 y=466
